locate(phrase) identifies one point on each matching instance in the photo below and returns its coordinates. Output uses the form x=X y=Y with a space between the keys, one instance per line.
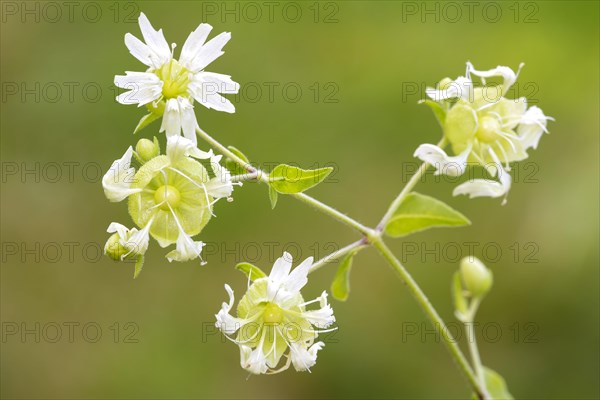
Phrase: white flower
x=484 y=128
x=118 y=179
x=169 y=86
x=272 y=321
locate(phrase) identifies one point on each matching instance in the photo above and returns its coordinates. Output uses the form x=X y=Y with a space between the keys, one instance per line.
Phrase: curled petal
x=227 y=323
x=118 y=179
x=303 y=358
x=487 y=187
x=444 y=164
x=322 y=318
x=179 y=147
x=508 y=75
x=532 y=126
x=253 y=361
x=462 y=88
x=186 y=248
x=220 y=186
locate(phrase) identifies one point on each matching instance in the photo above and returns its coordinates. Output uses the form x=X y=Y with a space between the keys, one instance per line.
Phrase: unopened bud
x=147 y=149
x=476 y=277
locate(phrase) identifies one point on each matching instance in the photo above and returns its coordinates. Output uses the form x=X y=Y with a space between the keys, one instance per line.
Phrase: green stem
x=473 y=349
x=338 y=253
x=263 y=177
x=407 y=189
x=430 y=311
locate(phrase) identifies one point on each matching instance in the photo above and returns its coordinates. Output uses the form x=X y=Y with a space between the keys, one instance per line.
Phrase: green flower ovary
x=172 y=196
x=175 y=79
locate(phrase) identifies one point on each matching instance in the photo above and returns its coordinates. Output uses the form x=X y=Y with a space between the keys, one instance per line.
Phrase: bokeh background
x=361 y=67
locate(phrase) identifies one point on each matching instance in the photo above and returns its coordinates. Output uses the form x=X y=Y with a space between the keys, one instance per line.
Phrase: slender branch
x=263 y=177
x=407 y=189
x=430 y=311
x=338 y=253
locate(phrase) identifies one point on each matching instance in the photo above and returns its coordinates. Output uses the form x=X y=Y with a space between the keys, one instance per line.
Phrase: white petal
x=188 y=119
x=220 y=186
x=211 y=82
x=444 y=164
x=302 y=358
x=532 y=126
x=253 y=361
x=193 y=44
x=225 y=321
x=486 y=187
x=462 y=87
x=186 y=248
x=138 y=49
x=207 y=95
x=138 y=241
x=178 y=115
x=281 y=268
x=118 y=179
x=155 y=40
x=145 y=87
x=323 y=317
x=209 y=52
x=508 y=75
x=179 y=147
x=121 y=229
x=299 y=276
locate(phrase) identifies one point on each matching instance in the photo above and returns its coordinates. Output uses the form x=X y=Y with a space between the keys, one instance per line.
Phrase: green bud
x=147 y=149
x=114 y=249
x=476 y=277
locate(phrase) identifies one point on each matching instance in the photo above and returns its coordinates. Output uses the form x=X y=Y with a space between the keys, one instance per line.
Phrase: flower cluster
x=272 y=318
x=483 y=127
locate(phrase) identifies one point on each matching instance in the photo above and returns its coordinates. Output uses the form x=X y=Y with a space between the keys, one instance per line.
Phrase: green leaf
x=288 y=179
x=438 y=110
x=251 y=271
x=340 y=287
x=460 y=303
x=418 y=212
x=234 y=167
x=496 y=385
x=273 y=197
x=145 y=121
x=139 y=263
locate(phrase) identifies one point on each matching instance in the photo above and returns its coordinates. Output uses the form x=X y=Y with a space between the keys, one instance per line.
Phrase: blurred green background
x=370 y=62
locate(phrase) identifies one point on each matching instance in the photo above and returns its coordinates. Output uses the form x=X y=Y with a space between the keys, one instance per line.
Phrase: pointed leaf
x=288 y=179
x=418 y=212
x=496 y=385
x=234 y=167
x=251 y=271
x=438 y=110
x=273 y=195
x=340 y=287
x=145 y=121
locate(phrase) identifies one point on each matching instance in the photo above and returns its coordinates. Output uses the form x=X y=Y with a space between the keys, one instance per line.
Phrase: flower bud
x=147 y=149
x=444 y=83
x=114 y=249
x=476 y=277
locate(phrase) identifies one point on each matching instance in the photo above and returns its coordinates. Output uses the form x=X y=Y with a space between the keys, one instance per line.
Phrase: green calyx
x=173 y=198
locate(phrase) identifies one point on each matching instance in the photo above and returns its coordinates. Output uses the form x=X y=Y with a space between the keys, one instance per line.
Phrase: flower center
x=175 y=79
x=167 y=196
x=488 y=129
x=272 y=314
